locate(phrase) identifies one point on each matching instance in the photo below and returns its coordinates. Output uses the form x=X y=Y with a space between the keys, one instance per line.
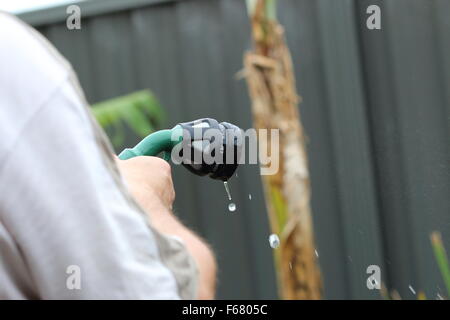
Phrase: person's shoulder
x=26 y=56
x=31 y=72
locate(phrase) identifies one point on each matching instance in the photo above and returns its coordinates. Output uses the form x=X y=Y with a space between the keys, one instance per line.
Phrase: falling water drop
x=317 y=254
x=232 y=207
x=274 y=241
x=412 y=289
x=249 y=197
x=227 y=189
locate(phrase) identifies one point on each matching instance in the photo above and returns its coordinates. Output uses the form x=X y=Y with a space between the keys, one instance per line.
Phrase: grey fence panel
x=346 y=108
x=376 y=108
x=386 y=145
x=408 y=98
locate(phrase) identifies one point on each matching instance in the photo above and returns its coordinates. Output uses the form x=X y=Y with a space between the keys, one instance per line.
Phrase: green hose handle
x=159 y=142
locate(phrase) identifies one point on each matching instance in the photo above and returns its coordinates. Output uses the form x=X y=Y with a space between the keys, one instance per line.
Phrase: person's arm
x=150 y=182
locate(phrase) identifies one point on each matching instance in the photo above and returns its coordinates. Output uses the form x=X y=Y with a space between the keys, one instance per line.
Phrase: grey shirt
x=68 y=226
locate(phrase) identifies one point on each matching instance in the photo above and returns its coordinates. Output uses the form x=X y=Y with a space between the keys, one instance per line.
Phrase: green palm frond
x=140 y=111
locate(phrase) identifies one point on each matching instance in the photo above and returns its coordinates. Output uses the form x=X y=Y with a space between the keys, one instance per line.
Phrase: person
x=75 y=221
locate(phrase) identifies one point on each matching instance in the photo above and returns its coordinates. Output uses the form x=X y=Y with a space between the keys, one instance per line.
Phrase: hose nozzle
x=214 y=148
x=205 y=147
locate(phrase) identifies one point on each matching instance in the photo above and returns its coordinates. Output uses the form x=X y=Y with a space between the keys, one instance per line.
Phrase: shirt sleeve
x=75 y=228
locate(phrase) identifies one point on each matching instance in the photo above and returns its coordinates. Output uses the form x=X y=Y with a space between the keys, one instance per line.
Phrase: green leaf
x=280 y=208
x=441 y=258
x=140 y=111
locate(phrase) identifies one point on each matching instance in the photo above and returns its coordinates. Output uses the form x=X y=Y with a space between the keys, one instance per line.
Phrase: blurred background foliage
x=441 y=258
x=139 y=112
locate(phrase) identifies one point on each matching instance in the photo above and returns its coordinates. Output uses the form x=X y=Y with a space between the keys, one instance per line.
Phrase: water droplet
x=232 y=207
x=227 y=189
x=412 y=289
x=290 y=265
x=317 y=254
x=249 y=197
x=274 y=241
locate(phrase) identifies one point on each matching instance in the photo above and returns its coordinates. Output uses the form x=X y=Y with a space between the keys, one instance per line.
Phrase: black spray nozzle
x=211 y=148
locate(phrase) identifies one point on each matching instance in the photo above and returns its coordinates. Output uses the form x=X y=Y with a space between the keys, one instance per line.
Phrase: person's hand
x=149 y=180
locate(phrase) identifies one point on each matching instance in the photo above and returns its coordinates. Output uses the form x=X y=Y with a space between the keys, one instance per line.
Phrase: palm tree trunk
x=271 y=83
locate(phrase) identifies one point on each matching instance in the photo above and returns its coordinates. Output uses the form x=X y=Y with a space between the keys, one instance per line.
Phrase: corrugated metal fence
x=375 y=107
